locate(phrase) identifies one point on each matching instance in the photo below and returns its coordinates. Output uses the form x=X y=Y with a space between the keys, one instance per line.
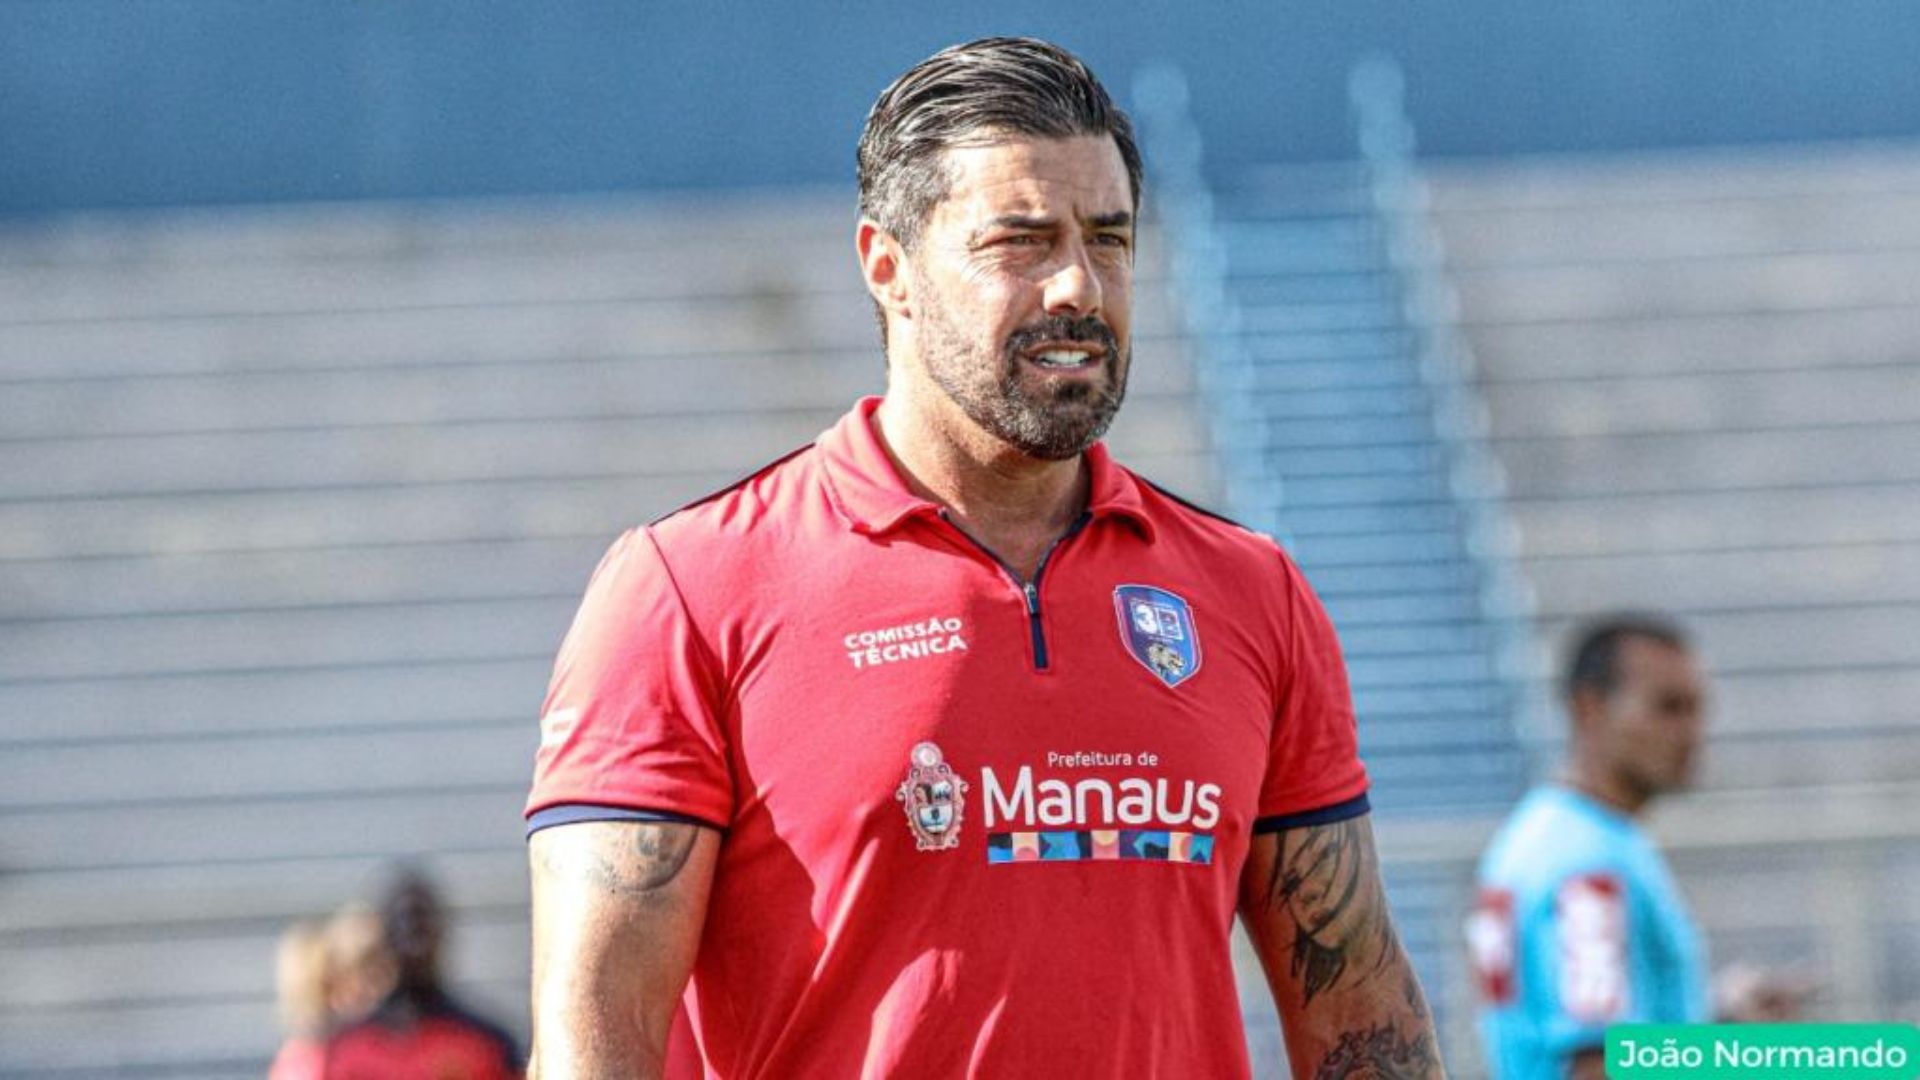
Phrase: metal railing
x=1376 y=90
x=1197 y=259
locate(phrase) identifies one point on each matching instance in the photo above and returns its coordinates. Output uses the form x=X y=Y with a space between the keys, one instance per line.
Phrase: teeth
x=1063 y=358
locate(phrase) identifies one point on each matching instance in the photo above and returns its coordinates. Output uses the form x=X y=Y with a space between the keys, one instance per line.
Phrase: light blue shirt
x=1578 y=925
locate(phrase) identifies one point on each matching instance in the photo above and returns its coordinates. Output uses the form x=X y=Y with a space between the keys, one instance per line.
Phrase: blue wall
x=140 y=102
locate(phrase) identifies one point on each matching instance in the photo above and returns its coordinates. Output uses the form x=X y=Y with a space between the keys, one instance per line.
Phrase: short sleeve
x=1314 y=775
x=630 y=720
x=1580 y=944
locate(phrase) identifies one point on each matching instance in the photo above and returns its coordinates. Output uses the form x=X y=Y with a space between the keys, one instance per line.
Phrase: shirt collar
x=869 y=492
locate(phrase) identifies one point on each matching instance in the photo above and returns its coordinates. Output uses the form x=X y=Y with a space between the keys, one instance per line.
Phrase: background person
x=301 y=984
x=1578 y=922
x=360 y=967
x=418 y=1029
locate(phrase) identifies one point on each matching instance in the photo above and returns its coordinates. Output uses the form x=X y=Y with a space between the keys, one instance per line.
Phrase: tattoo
x=663 y=851
x=1327 y=879
x=1380 y=1053
x=650 y=861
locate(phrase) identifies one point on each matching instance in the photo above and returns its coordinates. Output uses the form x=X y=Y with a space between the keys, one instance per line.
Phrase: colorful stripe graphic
x=1125 y=845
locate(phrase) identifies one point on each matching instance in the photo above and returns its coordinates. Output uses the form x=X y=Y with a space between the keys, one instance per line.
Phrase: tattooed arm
x=1313 y=905
x=617 y=911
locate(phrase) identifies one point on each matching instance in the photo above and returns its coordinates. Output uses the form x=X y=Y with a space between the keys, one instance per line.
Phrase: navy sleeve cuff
x=570 y=813
x=1326 y=815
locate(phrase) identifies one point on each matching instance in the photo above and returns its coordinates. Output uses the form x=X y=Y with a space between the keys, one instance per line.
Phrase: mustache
x=1063 y=328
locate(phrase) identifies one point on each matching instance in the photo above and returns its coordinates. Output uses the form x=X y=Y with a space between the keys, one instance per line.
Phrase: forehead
x=1081 y=176
x=1644 y=659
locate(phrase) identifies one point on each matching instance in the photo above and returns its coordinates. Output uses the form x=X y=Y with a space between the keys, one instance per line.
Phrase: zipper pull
x=1033 y=598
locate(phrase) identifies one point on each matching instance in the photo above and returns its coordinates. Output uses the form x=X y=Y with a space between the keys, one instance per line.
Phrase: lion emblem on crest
x=1165 y=661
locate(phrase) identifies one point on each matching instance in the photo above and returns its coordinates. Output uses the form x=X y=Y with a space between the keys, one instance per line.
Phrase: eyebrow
x=1116 y=219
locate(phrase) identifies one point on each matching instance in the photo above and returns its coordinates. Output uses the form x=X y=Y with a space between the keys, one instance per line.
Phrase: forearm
x=1348 y=997
x=617 y=914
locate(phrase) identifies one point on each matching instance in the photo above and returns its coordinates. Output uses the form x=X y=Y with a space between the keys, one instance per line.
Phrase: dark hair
x=1594 y=661
x=963 y=95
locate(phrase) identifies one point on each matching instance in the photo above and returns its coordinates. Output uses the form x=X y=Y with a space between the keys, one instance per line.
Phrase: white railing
x=1376 y=90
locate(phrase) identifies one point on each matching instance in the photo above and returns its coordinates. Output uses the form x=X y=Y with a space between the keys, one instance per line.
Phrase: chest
x=1111 y=707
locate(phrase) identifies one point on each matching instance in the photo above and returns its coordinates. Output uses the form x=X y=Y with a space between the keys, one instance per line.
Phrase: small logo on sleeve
x=1592 y=913
x=1157 y=629
x=557 y=725
x=1490 y=932
x=934 y=798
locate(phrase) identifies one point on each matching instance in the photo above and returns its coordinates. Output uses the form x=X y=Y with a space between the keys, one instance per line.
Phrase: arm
x=617 y=912
x=1315 y=910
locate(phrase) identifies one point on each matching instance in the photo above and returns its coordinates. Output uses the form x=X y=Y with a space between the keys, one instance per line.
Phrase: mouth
x=1066 y=356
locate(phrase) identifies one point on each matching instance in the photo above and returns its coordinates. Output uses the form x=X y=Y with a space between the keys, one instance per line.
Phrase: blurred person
x=418 y=1030
x=300 y=982
x=1578 y=922
x=360 y=969
x=328 y=973
x=946 y=746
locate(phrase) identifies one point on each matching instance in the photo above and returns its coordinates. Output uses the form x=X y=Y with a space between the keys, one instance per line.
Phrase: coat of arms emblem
x=934 y=799
x=1157 y=629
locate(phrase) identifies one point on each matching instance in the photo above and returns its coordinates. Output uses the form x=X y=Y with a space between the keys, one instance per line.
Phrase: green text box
x=1763 y=1051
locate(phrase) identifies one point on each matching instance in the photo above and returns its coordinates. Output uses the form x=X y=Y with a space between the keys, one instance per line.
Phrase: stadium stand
x=1703 y=377
x=296 y=503
x=1684 y=382
x=1334 y=416
x=295 y=506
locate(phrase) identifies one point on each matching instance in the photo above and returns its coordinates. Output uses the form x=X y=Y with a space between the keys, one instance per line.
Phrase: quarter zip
x=1029 y=590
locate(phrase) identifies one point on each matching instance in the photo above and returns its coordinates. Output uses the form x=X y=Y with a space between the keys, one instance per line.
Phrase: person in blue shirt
x=1578 y=923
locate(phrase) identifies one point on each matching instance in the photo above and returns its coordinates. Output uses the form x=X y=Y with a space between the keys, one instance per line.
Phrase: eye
x=1113 y=240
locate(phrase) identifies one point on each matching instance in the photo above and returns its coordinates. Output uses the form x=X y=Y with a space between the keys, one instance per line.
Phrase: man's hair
x=1593 y=663
x=969 y=95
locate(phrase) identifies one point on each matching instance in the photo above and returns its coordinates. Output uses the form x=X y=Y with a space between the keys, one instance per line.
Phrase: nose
x=1074 y=289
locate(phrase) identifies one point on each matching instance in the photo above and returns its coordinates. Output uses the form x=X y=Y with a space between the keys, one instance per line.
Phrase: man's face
x=1649 y=729
x=1023 y=290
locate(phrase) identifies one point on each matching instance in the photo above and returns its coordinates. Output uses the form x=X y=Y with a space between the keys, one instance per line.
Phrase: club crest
x=934 y=799
x=1157 y=628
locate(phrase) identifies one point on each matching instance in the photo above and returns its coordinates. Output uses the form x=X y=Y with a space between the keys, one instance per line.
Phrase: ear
x=1587 y=709
x=883 y=265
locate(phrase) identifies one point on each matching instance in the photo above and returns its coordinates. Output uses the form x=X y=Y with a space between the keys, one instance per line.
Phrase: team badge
x=934 y=799
x=1157 y=628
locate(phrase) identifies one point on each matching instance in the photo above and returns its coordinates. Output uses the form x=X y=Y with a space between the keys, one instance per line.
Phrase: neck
x=1013 y=503
x=1606 y=788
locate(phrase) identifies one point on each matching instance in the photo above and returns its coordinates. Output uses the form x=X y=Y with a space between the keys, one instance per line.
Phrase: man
x=418 y=1030
x=1579 y=923
x=946 y=746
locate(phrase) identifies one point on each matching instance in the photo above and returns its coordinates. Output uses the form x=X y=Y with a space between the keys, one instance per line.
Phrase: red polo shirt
x=973 y=827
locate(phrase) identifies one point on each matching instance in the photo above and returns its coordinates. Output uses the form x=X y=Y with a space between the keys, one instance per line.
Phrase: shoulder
x=298 y=1059
x=412 y=1029
x=450 y=1010
x=764 y=496
x=714 y=540
x=1238 y=568
x=1205 y=536
x=1173 y=512
x=1546 y=844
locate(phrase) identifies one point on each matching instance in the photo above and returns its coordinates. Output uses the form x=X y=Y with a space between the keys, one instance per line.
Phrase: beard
x=1052 y=419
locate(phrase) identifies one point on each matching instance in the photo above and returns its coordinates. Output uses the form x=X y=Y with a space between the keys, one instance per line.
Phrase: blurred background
x=337 y=341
